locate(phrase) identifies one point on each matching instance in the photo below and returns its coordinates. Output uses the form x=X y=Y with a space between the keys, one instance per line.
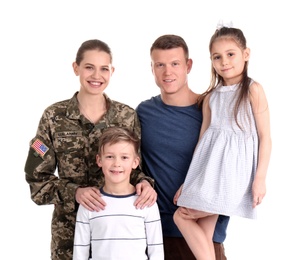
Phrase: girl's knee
x=176 y=217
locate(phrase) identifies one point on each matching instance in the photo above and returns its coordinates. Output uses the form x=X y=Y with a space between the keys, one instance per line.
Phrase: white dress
x=220 y=177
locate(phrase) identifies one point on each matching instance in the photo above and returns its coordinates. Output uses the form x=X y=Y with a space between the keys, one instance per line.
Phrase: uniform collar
x=73 y=111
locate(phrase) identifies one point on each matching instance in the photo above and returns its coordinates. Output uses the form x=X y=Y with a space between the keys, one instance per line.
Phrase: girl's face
x=228 y=60
x=94 y=71
x=117 y=161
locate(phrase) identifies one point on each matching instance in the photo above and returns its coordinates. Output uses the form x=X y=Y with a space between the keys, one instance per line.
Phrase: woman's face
x=94 y=71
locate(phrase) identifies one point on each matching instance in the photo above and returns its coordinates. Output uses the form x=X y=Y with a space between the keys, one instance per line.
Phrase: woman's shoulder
x=57 y=107
x=121 y=106
x=62 y=104
x=63 y=108
x=114 y=104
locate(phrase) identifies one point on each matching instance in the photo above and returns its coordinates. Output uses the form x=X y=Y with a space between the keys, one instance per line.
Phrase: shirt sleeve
x=45 y=187
x=154 y=234
x=82 y=235
x=138 y=175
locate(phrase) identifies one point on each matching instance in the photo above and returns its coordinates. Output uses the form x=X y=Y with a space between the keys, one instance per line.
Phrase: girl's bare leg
x=198 y=233
x=208 y=224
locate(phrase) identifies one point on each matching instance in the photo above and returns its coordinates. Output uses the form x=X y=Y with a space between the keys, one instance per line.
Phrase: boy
x=120 y=231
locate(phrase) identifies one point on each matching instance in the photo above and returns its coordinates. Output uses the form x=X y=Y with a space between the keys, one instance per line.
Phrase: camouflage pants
x=63 y=225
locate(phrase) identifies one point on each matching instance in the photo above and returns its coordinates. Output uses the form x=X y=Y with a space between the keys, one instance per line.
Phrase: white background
x=39 y=40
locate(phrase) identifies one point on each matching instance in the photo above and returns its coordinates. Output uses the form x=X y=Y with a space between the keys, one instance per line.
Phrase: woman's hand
x=147 y=195
x=90 y=198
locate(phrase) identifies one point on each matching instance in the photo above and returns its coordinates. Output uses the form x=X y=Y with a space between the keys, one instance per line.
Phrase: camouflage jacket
x=62 y=155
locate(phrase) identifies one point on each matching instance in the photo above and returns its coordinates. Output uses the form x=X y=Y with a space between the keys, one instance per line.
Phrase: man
x=170 y=127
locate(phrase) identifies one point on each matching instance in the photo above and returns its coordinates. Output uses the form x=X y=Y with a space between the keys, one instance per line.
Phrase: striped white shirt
x=120 y=232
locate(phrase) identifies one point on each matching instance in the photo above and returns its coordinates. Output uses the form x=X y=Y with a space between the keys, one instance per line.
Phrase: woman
x=67 y=141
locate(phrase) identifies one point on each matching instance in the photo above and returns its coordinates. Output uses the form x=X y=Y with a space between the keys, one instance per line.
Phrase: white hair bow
x=222 y=24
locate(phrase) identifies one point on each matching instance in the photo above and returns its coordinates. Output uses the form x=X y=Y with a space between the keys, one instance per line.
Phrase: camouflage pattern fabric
x=62 y=157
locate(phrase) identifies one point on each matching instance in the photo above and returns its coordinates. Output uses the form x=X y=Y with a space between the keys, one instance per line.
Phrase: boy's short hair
x=113 y=135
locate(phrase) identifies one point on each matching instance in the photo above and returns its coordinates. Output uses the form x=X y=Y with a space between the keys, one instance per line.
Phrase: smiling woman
x=66 y=140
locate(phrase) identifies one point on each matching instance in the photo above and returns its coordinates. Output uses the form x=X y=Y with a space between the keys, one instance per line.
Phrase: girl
x=228 y=169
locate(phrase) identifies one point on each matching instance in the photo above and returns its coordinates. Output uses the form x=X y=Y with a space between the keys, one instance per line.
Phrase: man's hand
x=147 y=195
x=90 y=198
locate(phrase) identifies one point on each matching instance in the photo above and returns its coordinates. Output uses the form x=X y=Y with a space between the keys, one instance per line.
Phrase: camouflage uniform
x=67 y=141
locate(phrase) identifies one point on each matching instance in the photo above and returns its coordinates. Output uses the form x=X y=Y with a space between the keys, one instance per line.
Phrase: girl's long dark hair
x=216 y=80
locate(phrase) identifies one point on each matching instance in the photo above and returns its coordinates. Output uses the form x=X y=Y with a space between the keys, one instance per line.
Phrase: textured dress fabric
x=221 y=174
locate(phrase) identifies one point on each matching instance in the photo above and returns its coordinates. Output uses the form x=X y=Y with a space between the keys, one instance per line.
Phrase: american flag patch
x=39 y=147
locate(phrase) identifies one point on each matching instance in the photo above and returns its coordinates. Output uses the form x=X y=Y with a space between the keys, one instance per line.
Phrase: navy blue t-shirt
x=169 y=135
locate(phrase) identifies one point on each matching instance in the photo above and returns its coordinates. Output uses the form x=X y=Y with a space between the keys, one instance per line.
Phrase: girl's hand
x=147 y=195
x=177 y=194
x=259 y=191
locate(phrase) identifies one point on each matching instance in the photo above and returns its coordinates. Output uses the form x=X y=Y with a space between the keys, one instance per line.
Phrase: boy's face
x=117 y=161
